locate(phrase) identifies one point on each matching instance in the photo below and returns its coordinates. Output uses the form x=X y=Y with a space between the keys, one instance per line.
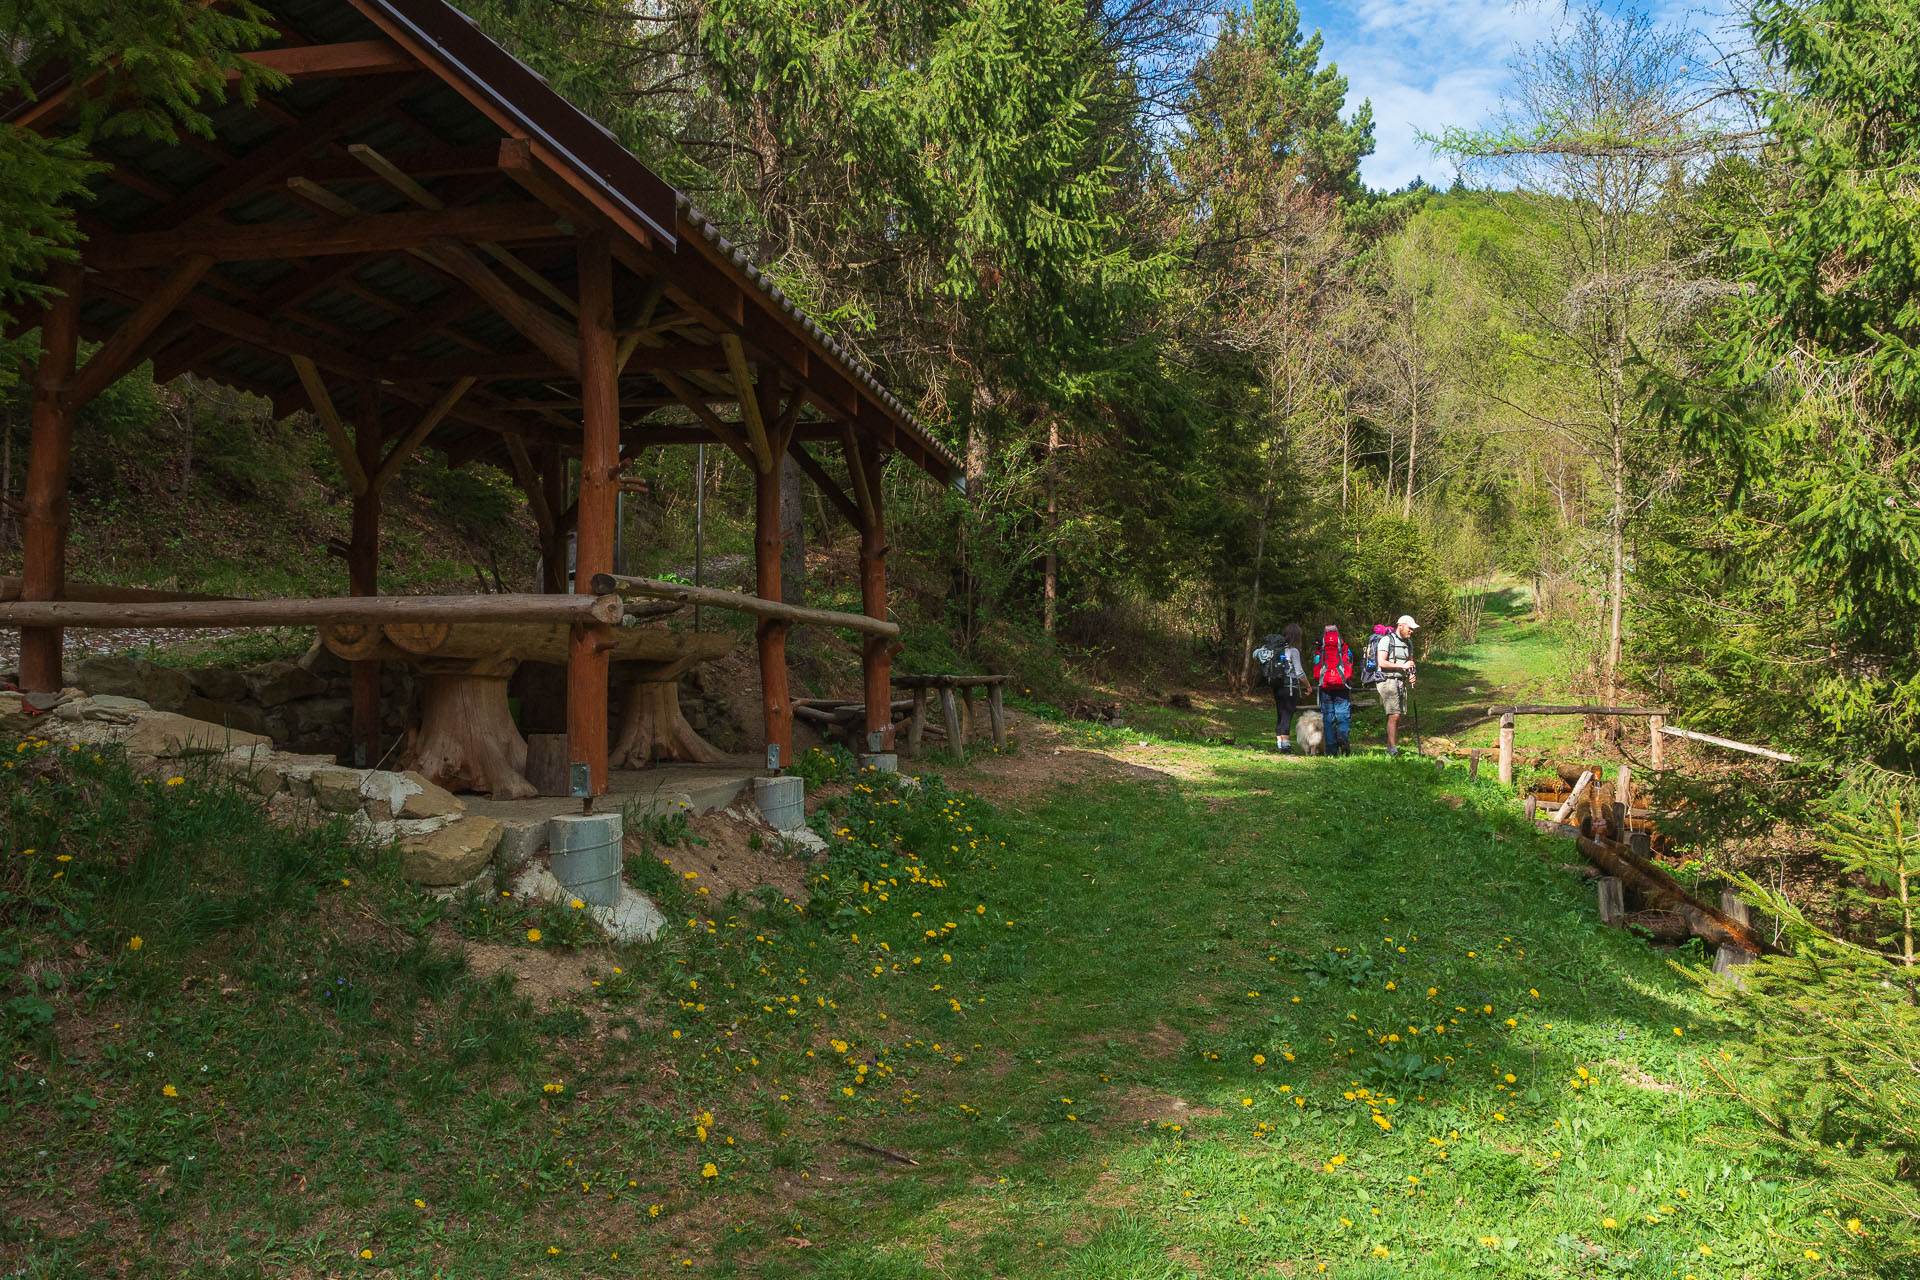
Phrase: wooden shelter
x=420 y=241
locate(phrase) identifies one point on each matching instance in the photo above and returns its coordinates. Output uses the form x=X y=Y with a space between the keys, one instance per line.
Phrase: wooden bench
x=957 y=715
x=466 y=739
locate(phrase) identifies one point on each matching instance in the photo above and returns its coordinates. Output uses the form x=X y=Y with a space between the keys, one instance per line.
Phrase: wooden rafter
x=344 y=451
x=351 y=58
x=400 y=181
x=827 y=485
x=397 y=456
x=538 y=325
x=749 y=405
x=724 y=431
x=120 y=352
x=280 y=156
x=302 y=239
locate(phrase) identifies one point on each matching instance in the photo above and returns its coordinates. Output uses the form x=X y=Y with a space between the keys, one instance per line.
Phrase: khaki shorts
x=1393 y=696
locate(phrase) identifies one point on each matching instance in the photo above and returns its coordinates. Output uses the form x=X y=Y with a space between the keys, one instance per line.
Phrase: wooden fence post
x=1656 y=748
x=1506 y=749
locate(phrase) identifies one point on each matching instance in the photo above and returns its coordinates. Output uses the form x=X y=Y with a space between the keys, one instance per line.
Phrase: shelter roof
x=404 y=212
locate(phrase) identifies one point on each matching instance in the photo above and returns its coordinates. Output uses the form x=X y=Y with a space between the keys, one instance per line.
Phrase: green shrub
x=1828 y=1070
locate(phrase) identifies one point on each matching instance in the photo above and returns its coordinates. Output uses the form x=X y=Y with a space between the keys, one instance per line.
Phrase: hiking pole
x=1413 y=703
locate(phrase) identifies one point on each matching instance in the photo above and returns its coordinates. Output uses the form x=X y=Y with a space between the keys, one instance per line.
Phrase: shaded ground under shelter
x=418 y=240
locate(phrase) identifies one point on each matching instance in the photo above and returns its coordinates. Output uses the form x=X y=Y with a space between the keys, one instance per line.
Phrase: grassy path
x=1199 y=1012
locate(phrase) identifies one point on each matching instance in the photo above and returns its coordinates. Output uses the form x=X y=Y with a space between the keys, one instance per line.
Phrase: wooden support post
x=553 y=489
x=997 y=713
x=776 y=705
x=950 y=710
x=876 y=662
x=1656 y=747
x=587 y=660
x=1473 y=765
x=44 y=552
x=1730 y=957
x=1506 y=749
x=1622 y=803
x=1573 y=798
x=1530 y=806
x=1641 y=843
x=363 y=575
x=1613 y=901
x=917 y=727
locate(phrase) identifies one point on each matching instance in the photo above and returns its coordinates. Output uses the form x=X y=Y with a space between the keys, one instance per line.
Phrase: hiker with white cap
x=1395 y=663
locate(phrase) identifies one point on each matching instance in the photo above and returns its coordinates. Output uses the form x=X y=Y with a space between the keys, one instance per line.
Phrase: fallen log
x=1694 y=736
x=1573 y=798
x=1662 y=891
x=1575 y=710
x=323 y=611
x=1668 y=926
x=714 y=598
x=80 y=592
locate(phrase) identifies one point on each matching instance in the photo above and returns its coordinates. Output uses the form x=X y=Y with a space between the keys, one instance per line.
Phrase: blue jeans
x=1336 y=716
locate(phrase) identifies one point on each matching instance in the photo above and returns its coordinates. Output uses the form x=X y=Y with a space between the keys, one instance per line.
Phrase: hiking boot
x=1281 y=745
x=1392 y=751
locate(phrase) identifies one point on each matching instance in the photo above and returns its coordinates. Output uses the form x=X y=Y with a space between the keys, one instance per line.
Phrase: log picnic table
x=466 y=739
x=957 y=728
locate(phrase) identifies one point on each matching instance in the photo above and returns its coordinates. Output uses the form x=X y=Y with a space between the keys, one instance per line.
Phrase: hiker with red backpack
x=1333 y=673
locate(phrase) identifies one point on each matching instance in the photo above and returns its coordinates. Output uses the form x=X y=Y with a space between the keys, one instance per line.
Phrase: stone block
x=235 y=714
x=430 y=801
x=251 y=768
x=106 y=708
x=452 y=855
x=321 y=715
x=279 y=682
x=337 y=789
x=15 y=721
x=221 y=684
x=520 y=840
x=160 y=687
x=167 y=736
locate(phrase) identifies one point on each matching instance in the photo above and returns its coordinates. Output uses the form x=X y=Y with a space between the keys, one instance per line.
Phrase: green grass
x=1059 y=1008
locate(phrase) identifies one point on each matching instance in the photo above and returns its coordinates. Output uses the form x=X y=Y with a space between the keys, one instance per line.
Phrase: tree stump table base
x=467 y=740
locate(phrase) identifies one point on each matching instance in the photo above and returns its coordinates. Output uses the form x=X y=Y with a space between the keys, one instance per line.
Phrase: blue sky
x=1426 y=65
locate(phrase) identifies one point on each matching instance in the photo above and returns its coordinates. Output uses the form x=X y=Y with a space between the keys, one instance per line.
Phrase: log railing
x=371 y=610
x=712 y=597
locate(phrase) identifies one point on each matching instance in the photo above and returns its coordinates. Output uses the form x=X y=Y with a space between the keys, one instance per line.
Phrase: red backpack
x=1333 y=665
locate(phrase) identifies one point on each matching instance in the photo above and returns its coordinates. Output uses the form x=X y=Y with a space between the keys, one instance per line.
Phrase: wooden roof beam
x=303 y=239
x=401 y=182
x=322 y=61
x=279 y=156
x=245 y=328
x=535 y=322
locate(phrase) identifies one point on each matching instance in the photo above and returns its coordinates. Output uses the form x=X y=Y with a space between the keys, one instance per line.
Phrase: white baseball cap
x=1406 y=620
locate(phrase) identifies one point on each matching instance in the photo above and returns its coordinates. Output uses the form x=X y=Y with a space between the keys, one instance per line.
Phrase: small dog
x=1309 y=734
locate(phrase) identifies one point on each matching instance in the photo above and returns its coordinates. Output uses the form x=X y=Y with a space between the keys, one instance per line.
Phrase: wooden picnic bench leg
x=956 y=740
x=998 y=715
x=918 y=725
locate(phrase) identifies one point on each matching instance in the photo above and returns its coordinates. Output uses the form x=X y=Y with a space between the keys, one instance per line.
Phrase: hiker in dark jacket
x=1279 y=659
x=1333 y=672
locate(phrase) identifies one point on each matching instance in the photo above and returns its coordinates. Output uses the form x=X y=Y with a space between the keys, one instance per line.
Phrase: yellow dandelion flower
x=136 y=942
x=533 y=935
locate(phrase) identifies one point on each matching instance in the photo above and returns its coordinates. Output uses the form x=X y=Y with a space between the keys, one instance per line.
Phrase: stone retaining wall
x=307 y=706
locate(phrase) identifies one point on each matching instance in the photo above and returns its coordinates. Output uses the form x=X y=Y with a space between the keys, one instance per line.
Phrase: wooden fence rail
x=325 y=611
x=713 y=597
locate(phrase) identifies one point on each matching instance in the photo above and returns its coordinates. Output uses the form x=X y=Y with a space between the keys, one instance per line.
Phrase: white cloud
x=1426 y=65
